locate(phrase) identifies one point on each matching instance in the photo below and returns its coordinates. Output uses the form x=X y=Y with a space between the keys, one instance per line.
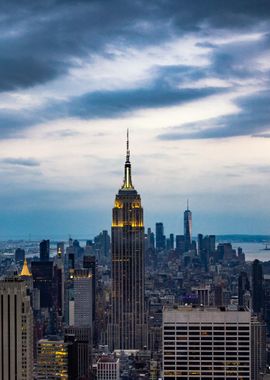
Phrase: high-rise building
x=160 y=237
x=257 y=287
x=180 y=244
x=82 y=298
x=127 y=329
x=58 y=284
x=243 y=287
x=82 y=336
x=206 y=343
x=19 y=255
x=188 y=228
x=108 y=368
x=44 y=250
x=258 y=348
x=42 y=272
x=89 y=262
x=53 y=359
x=16 y=331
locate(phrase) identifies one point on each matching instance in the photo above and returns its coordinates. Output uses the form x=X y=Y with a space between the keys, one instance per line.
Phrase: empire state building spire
x=127 y=185
x=127 y=327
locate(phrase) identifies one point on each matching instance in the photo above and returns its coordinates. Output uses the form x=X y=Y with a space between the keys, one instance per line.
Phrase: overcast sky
x=190 y=79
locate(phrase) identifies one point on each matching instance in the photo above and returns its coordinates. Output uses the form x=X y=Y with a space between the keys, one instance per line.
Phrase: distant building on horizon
x=160 y=237
x=44 y=250
x=188 y=228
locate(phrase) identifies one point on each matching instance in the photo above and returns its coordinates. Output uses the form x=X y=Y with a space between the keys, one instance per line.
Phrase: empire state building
x=127 y=329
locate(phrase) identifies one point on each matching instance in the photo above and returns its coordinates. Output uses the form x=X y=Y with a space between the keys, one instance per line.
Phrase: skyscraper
x=160 y=237
x=44 y=250
x=16 y=331
x=257 y=287
x=126 y=329
x=188 y=228
x=207 y=343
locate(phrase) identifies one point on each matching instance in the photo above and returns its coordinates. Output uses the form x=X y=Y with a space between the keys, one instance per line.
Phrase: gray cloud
x=253 y=119
x=39 y=42
x=28 y=162
x=40 y=39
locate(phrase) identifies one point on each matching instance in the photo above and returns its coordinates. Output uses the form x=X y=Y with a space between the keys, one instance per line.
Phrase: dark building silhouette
x=257 y=287
x=19 y=255
x=102 y=244
x=160 y=237
x=44 y=250
x=180 y=244
x=266 y=301
x=243 y=287
x=89 y=262
x=206 y=249
x=42 y=272
x=127 y=329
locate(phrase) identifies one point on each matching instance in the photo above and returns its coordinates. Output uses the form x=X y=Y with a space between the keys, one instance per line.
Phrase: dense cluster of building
x=136 y=305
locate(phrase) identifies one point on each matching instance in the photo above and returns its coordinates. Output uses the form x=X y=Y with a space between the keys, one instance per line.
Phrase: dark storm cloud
x=109 y=104
x=39 y=39
x=28 y=162
x=253 y=118
x=42 y=40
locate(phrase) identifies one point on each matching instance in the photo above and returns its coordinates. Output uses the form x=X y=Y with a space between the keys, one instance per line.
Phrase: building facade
x=16 y=331
x=108 y=368
x=127 y=329
x=206 y=343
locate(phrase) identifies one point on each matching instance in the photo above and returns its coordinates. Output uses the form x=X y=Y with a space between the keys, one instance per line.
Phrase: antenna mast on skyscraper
x=128 y=152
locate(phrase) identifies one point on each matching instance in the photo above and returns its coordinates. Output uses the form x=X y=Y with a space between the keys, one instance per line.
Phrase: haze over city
x=190 y=82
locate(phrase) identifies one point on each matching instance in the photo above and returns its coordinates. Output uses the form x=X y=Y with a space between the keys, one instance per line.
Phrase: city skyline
x=190 y=82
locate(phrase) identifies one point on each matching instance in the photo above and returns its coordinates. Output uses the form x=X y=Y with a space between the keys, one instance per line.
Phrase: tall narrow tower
x=188 y=228
x=127 y=329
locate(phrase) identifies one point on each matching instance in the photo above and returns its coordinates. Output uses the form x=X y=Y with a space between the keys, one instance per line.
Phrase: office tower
x=19 y=255
x=89 y=262
x=258 y=348
x=188 y=228
x=108 y=368
x=150 y=239
x=44 y=250
x=206 y=343
x=180 y=244
x=16 y=331
x=42 y=272
x=266 y=301
x=82 y=349
x=74 y=254
x=102 y=244
x=53 y=359
x=170 y=242
x=160 y=237
x=127 y=329
x=243 y=287
x=58 y=284
x=82 y=298
x=257 y=287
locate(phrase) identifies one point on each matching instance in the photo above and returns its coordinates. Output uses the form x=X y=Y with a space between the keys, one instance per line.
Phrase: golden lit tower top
x=25 y=270
x=127 y=185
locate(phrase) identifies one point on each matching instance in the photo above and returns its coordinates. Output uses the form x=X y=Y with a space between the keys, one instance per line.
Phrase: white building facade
x=206 y=343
